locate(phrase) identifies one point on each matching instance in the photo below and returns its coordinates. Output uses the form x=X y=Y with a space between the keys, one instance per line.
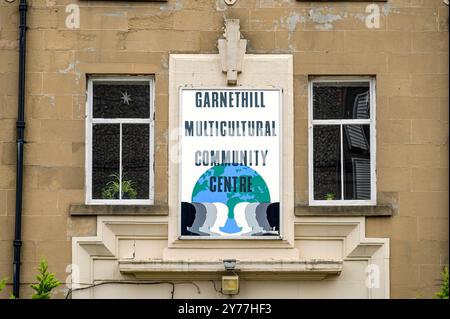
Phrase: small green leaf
x=443 y=294
x=2 y=284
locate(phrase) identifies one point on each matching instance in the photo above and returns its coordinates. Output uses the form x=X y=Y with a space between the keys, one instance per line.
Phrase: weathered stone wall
x=408 y=54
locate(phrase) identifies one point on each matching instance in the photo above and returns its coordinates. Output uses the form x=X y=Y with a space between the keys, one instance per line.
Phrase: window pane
x=105 y=161
x=327 y=162
x=135 y=161
x=341 y=100
x=121 y=99
x=356 y=150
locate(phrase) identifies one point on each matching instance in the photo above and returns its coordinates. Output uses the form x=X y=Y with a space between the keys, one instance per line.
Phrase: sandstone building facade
x=362 y=130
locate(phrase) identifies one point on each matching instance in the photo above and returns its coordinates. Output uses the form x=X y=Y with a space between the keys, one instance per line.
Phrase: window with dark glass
x=340 y=135
x=120 y=125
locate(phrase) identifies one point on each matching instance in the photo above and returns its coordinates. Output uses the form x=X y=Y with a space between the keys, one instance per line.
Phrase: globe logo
x=230 y=185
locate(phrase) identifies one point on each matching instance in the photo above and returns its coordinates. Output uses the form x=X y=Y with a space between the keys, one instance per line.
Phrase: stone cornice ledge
x=379 y=210
x=117 y=210
x=249 y=270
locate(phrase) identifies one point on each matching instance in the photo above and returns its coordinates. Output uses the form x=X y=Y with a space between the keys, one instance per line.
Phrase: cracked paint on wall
x=324 y=20
x=324 y=17
x=292 y=21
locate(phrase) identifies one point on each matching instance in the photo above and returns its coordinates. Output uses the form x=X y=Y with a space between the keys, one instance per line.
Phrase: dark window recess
x=333 y=101
x=105 y=160
x=356 y=154
x=121 y=99
x=327 y=162
x=135 y=160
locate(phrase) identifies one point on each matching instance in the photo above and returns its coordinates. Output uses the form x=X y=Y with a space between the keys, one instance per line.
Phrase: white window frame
x=89 y=124
x=371 y=122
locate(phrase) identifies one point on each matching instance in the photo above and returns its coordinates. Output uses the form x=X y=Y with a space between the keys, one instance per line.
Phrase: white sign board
x=230 y=163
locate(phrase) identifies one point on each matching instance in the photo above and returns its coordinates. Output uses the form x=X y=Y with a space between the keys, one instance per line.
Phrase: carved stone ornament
x=230 y=2
x=232 y=50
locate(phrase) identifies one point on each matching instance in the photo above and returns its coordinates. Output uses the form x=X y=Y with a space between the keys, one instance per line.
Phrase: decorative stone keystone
x=232 y=50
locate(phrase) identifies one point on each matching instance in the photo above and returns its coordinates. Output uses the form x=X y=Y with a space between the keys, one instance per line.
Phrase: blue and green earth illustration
x=203 y=194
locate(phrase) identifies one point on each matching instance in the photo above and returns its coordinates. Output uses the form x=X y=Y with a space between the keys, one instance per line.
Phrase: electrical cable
x=128 y=282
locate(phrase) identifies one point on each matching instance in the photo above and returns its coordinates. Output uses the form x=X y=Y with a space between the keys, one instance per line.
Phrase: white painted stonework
x=317 y=257
x=259 y=72
x=333 y=258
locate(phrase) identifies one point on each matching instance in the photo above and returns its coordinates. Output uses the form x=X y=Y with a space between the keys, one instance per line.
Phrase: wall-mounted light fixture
x=230 y=284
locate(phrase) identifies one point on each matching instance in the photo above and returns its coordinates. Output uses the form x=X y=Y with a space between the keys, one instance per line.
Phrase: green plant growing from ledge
x=46 y=282
x=329 y=196
x=443 y=294
x=112 y=188
x=2 y=284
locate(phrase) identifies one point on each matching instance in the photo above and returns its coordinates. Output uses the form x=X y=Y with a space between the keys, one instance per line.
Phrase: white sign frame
x=280 y=158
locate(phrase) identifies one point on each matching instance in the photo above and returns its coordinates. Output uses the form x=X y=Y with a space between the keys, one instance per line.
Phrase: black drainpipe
x=23 y=7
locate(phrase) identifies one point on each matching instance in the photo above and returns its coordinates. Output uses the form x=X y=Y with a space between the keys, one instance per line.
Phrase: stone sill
x=117 y=210
x=158 y=269
x=301 y=210
x=379 y=210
